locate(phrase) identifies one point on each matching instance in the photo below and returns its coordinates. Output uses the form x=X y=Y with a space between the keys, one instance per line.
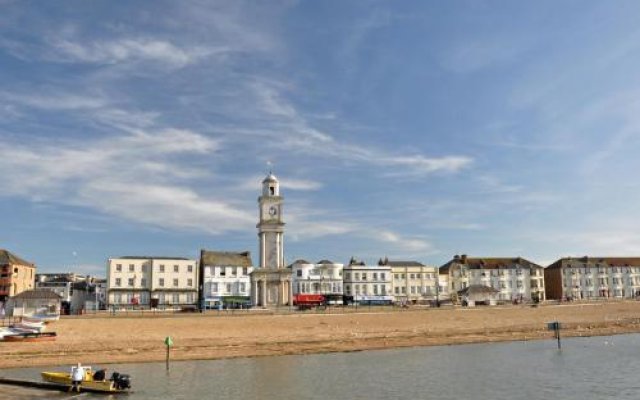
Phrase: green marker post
x=168 y=342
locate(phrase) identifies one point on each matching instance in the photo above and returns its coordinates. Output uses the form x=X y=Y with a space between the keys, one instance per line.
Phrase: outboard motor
x=121 y=381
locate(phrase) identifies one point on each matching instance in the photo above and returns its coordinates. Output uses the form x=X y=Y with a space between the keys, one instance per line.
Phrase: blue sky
x=413 y=130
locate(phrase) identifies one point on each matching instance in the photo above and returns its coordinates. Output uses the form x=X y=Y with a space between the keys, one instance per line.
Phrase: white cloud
x=131 y=49
x=134 y=177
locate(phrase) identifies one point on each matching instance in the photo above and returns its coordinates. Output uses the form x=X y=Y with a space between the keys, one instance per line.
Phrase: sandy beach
x=104 y=339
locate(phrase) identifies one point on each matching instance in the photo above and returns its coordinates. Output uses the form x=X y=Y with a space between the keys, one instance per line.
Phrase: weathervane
x=270 y=165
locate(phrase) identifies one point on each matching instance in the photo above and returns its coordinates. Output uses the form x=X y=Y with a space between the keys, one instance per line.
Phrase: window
x=175 y=282
x=228 y=288
x=397 y=289
x=347 y=276
x=189 y=268
x=412 y=276
x=143 y=282
x=364 y=289
x=214 y=287
x=382 y=276
x=223 y=271
x=413 y=290
x=131 y=281
x=364 y=276
x=299 y=273
x=375 y=276
x=144 y=268
x=402 y=276
x=404 y=290
x=189 y=282
x=161 y=267
x=176 y=268
x=396 y=276
x=119 y=267
x=356 y=276
x=132 y=267
x=161 y=282
x=176 y=298
x=242 y=287
x=375 y=289
x=118 y=281
x=245 y=271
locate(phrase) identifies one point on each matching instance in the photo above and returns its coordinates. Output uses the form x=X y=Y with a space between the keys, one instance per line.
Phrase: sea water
x=585 y=368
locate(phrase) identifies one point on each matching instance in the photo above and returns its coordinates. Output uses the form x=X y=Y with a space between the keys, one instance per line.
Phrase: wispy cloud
x=130 y=50
x=135 y=177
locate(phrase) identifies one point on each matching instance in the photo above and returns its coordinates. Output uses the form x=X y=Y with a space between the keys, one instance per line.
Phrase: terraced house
x=577 y=278
x=512 y=279
x=226 y=279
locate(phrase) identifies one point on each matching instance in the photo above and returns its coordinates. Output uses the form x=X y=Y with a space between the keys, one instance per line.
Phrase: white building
x=152 y=281
x=413 y=282
x=590 y=278
x=516 y=279
x=367 y=284
x=323 y=277
x=226 y=279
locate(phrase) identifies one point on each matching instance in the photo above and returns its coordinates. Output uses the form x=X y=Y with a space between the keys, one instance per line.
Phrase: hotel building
x=152 y=281
x=579 y=278
x=514 y=279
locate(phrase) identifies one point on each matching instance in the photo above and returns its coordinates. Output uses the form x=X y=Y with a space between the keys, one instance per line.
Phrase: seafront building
x=225 y=277
x=412 y=281
x=16 y=275
x=78 y=293
x=511 y=279
x=367 y=284
x=324 y=277
x=576 y=278
x=151 y=281
x=271 y=281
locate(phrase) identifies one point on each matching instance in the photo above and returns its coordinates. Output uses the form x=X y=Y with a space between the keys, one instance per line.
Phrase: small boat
x=28 y=326
x=119 y=383
x=31 y=337
x=46 y=318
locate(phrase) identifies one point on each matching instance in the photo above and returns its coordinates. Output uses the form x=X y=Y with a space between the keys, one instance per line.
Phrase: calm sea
x=586 y=368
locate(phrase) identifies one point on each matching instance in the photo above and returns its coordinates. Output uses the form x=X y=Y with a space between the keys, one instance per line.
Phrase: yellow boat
x=118 y=383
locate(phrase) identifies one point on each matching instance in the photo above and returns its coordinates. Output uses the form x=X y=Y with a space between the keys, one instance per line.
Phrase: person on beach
x=77 y=375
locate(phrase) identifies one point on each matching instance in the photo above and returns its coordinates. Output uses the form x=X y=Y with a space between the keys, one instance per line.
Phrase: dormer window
x=272 y=190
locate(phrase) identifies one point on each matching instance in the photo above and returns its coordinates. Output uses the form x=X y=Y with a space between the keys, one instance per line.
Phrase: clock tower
x=271 y=227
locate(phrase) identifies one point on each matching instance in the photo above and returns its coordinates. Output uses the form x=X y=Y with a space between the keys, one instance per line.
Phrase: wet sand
x=92 y=339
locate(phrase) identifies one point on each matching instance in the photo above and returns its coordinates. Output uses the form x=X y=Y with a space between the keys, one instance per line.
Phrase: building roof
x=230 y=258
x=300 y=261
x=488 y=263
x=477 y=289
x=38 y=294
x=386 y=261
x=8 y=258
x=603 y=261
x=270 y=178
x=325 y=262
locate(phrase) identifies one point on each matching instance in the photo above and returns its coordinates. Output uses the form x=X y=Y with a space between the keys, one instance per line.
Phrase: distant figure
x=99 y=375
x=77 y=376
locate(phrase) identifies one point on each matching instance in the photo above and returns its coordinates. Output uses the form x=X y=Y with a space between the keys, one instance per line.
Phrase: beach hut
x=478 y=294
x=30 y=302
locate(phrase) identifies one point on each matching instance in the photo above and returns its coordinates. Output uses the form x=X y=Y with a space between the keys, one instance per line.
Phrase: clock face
x=273 y=211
